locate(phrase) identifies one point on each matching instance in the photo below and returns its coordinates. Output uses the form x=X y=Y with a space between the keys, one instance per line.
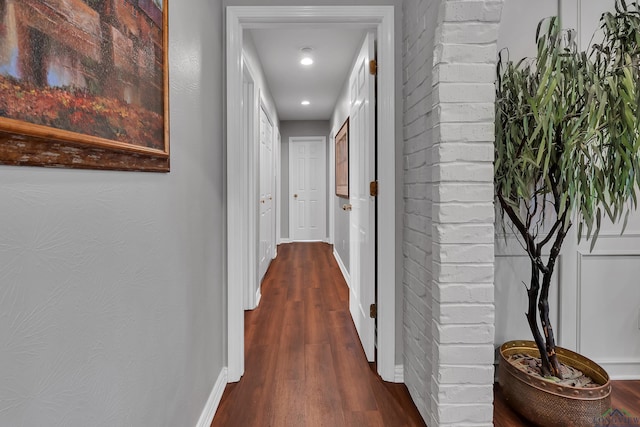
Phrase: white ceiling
x=289 y=82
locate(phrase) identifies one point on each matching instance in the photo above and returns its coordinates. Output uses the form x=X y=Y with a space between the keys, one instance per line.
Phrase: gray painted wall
x=112 y=305
x=293 y=128
x=341 y=236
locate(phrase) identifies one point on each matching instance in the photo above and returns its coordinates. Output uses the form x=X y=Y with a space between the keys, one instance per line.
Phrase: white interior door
x=308 y=189
x=361 y=173
x=266 y=193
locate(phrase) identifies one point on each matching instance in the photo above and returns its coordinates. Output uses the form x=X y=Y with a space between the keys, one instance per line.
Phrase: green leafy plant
x=567 y=147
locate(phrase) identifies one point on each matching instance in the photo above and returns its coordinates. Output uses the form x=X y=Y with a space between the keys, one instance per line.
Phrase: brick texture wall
x=420 y=21
x=449 y=55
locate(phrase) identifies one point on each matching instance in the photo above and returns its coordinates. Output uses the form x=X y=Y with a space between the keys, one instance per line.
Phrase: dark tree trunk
x=532 y=318
x=543 y=304
x=539 y=297
x=550 y=348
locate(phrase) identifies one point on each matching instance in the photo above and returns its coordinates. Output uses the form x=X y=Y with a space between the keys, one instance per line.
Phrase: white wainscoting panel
x=609 y=310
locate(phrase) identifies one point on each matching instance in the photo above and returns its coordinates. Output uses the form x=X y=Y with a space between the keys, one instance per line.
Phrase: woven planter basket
x=552 y=405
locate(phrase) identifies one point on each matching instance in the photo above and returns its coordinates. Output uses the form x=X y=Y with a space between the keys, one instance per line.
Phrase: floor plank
x=304 y=365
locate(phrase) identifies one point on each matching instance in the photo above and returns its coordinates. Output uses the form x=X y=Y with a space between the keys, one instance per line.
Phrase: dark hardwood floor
x=304 y=365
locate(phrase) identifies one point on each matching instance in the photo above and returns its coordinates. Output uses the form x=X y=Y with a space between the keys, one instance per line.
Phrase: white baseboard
x=399 y=374
x=258 y=297
x=209 y=411
x=284 y=241
x=343 y=269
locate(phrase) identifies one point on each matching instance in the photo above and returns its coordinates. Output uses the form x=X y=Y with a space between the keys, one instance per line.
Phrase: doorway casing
x=240 y=200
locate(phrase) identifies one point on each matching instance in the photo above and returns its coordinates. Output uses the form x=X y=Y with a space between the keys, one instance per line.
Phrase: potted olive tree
x=567 y=153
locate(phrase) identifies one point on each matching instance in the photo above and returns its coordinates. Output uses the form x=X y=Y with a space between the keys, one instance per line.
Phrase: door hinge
x=373 y=311
x=373 y=188
x=373 y=67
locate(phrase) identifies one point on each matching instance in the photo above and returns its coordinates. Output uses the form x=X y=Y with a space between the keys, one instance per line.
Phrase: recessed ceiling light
x=306 y=58
x=305 y=102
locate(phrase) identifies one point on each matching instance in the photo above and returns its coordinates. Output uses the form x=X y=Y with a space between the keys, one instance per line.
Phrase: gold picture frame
x=84 y=84
x=342 y=161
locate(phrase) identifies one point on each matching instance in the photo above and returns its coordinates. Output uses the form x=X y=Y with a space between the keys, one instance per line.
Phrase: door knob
x=347 y=207
x=295 y=196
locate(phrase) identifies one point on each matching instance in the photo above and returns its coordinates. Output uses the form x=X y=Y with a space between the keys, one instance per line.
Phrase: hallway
x=304 y=365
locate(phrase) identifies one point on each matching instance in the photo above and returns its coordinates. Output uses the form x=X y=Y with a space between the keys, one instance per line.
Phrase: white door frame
x=249 y=235
x=292 y=141
x=331 y=191
x=380 y=18
x=277 y=196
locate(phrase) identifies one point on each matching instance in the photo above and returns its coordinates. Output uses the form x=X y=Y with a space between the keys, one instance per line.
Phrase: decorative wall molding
x=585 y=254
x=618 y=369
x=627 y=233
x=621 y=369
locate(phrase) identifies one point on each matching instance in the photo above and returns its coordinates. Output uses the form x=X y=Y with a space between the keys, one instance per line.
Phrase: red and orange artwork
x=85 y=72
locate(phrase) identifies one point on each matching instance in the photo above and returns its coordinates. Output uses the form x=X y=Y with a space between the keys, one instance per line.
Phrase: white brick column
x=463 y=213
x=449 y=73
x=420 y=22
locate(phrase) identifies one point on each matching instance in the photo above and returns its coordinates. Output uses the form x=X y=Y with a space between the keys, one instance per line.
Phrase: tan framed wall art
x=342 y=161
